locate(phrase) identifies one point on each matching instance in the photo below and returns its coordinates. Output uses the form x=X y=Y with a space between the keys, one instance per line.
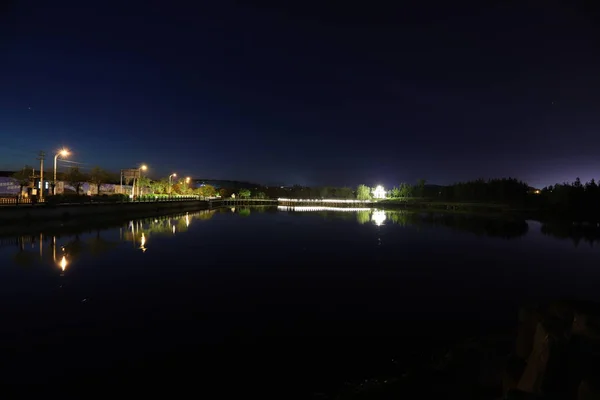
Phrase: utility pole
x=42 y=155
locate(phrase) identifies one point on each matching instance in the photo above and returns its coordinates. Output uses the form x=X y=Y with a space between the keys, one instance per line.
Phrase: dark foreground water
x=303 y=300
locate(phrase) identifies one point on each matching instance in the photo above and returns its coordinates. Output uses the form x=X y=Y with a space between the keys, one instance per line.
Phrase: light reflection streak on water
x=378 y=217
x=338 y=201
x=143 y=243
x=320 y=208
x=63 y=263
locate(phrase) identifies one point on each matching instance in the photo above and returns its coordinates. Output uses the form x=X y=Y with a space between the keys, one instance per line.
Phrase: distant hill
x=225 y=183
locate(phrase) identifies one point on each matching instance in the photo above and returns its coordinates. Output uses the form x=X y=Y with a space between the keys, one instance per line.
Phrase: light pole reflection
x=63 y=263
x=143 y=243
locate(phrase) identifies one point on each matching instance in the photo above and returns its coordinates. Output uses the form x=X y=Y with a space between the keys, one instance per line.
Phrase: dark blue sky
x=305 y=92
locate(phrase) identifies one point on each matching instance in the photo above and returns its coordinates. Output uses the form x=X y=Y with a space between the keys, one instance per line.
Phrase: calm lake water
x=305 y=297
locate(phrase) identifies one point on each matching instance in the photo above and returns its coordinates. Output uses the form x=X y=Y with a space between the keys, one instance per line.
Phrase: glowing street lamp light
x=63 y=153
x=141 y=168
x=171 y=176
x=187 y=180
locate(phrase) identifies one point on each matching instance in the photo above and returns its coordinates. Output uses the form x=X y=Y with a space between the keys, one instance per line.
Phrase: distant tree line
x=506 y=190
x=577 y=200
x=573 y=200
x=405 y=190
x=305 y=192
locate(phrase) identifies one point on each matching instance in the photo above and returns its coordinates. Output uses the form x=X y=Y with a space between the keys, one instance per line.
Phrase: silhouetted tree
x=22 y=177
x=405 y=190
x=98 y=176
x=505 y=190
x=76 y=178
x=420 y=188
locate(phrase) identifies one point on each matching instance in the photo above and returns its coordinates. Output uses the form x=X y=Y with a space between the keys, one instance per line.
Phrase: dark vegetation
x=575 y=201
x=305 y=192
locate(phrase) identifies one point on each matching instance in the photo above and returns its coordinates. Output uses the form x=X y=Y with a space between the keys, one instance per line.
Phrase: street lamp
x=187 y=182
x=170 y=176
x=62 y=153
x=141 y=168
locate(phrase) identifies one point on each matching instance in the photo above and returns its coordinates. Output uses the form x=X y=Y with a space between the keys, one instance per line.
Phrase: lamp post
x=63 y=153
x=170 y=176
x=141 y=168
x=187 y=183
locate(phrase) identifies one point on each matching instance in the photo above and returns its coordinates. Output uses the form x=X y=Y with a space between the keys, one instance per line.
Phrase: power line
x=71 y=162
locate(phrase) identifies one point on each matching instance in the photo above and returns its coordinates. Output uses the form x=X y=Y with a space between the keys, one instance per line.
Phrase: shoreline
x=25 y=219
x=490 y=210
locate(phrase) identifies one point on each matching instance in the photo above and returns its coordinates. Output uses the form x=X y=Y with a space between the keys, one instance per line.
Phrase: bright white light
x=379 y=192
x=173 y=229
x=187 y=220
x=322 y=200
x=317 y=208
x=63 y=263
x=378 y=217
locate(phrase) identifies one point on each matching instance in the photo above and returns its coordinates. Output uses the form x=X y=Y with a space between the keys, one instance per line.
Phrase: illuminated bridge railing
x=321 y=208
x=333 y=201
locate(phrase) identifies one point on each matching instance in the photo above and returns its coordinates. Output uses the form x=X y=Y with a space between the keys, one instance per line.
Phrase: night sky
x=312 y=93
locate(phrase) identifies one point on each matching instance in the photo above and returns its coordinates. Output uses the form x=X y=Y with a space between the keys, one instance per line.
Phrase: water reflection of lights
x=173 y=229
x=339 y=201
x=378 y=217
x=232 y=209
x=187 y=220
x=63 y=263
x=317 y=208
x=143 y=243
